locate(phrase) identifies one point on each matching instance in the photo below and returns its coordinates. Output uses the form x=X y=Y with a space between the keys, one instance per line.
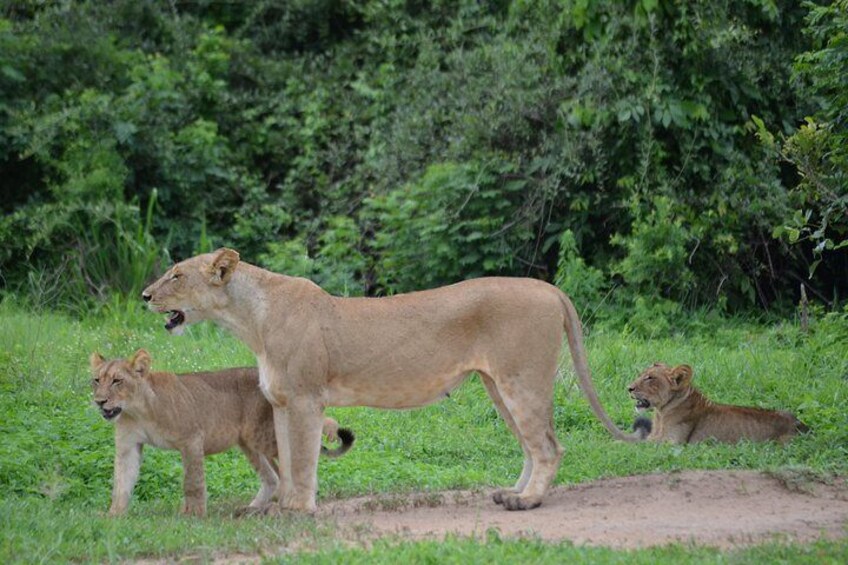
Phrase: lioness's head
x=192 y=289
x=659 y=384
x=117 y=383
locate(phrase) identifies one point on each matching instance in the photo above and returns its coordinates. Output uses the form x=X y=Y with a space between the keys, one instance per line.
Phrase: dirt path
x=717 y=508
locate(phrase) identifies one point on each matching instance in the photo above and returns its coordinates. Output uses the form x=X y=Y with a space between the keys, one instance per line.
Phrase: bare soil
x=715 y=508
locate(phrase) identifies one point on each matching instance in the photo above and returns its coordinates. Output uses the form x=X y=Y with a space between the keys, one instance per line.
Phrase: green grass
x=495 y=550
x=56 y=451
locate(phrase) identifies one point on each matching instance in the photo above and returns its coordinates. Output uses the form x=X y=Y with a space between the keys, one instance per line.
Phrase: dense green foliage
x=380 y=146
x=819 y=149
x=57 y=452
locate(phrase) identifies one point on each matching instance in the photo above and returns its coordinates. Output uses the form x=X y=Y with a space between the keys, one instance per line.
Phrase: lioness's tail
x=642 y=426
x=574 y=332
x=346 y=437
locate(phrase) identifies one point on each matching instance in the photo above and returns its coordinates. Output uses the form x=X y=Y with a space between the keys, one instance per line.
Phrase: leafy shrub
x=337 y=265
x=581 y=282
x=458 y=221
x=657 y=251
x=262 y=125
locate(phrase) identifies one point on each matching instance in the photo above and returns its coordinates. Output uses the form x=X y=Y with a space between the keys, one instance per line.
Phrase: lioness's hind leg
x=498 y=496
x=531 y=409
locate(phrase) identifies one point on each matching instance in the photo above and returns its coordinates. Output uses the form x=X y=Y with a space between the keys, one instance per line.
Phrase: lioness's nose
x=146 y=297
x=100 y=403
x=631 y=388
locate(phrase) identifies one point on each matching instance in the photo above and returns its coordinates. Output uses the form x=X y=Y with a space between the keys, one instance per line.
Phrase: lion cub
x=197 y=414
x=684 y=415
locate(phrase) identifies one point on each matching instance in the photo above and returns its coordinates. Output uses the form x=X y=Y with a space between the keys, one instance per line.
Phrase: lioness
x=684 y=415
x=316 y=350
x=198 y=414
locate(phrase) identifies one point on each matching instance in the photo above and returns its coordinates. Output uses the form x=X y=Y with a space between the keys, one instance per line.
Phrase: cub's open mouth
x=642 y=404
x=175 y=318
x=111 y=413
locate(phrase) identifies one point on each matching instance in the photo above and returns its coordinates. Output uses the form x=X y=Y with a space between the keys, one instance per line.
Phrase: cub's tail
x=346 y=437
x=642 y=426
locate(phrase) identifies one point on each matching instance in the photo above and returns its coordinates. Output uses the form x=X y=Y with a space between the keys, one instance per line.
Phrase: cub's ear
x=140 y=363
x=681 y=376
x=95 y=361
x=223 y=264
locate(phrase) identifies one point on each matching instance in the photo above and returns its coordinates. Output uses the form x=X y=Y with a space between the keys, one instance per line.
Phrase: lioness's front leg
x=127 y=465
x=305 y=423
x=194 y=479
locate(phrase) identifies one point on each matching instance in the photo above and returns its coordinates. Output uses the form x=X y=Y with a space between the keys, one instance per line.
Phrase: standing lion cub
x=684 y=415
x=197 y=414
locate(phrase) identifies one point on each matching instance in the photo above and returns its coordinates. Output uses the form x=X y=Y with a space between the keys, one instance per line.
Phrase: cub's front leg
x=194 y=479
x=127 y=465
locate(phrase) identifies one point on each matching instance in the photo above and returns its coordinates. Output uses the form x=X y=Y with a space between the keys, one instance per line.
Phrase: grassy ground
x=56 y=451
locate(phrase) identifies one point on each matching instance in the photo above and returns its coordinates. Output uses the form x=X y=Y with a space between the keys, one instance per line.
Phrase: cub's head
x=193 y=289
x=117 y=384
x=659 y=384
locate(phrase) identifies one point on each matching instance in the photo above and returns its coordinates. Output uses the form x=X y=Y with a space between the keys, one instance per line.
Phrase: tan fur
x=197 y=414
x=684 y=415
x=316 y=350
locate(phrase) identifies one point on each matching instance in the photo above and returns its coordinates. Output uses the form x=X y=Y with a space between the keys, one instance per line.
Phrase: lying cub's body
x=197 y=414
x=684 y=415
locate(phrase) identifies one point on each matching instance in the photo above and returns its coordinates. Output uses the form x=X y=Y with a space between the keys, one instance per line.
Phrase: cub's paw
x=247 y=511
x=194 y=509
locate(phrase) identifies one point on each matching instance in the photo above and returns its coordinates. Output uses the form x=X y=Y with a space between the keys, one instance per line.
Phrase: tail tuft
x=347 y=437
x=642 y=426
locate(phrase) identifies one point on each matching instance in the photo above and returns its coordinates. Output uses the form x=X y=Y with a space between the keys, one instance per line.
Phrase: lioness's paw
x=499 y=495
x=521 y=502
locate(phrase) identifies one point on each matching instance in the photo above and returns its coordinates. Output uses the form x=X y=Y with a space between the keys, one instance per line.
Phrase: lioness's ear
x=223 y=265
x=681 y=376
x=95 y=361
x=140 y=363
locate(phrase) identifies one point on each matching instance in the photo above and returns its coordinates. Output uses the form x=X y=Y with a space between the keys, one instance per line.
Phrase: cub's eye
x=649 y=378
x=95 y=382
x=176 y=276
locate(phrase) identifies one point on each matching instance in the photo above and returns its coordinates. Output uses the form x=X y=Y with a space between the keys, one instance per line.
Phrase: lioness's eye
x=117 y=381
x=95 y=381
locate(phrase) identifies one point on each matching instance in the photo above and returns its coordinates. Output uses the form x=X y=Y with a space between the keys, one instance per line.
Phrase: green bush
x=581 y=282
x=458 y=221
x=341 y=140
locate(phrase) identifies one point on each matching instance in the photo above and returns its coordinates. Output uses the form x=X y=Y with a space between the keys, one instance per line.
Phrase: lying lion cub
x=684 y=415
x=198 y=414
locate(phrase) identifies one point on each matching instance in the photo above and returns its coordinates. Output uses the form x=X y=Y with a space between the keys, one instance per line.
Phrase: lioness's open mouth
x=175 y=319
x=111 y=413
x=642 y=404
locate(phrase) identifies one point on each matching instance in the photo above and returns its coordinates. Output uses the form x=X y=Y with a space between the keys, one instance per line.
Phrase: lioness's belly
x=394 y=393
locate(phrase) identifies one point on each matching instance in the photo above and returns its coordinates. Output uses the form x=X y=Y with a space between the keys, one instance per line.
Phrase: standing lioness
x=316 y=350
x=197 y=414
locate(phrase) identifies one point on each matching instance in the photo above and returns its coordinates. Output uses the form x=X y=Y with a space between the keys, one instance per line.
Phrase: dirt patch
x=715 y=508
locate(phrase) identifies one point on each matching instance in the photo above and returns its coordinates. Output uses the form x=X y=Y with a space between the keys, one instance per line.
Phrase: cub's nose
x=146 y=297
x=631 y=388
x=100 y=403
